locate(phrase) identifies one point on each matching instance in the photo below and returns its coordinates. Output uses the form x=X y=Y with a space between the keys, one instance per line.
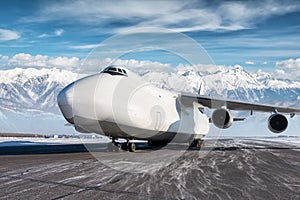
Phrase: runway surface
x=230 y=169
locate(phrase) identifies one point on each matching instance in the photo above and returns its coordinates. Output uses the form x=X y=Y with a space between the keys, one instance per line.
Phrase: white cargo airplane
x=118 y=104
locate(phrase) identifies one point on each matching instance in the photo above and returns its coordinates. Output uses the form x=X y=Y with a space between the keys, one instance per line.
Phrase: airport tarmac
x=232 y=169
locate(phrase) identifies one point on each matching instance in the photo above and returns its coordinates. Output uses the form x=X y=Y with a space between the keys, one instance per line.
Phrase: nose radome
x=65 y=103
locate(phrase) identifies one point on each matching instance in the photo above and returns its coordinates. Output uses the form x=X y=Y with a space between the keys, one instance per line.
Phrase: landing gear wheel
x=131 y=146
x=197 y=143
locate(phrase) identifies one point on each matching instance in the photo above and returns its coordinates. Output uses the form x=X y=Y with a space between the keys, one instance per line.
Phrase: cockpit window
x=115 y=71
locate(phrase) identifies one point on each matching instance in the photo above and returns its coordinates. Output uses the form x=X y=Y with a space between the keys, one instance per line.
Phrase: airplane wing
x=212 y=102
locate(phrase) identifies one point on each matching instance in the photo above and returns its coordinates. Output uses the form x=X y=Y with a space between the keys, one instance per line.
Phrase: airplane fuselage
x=122 y=105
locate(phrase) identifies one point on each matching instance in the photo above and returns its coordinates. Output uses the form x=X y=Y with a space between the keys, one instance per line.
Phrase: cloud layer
x=285 y=69
x=177 y=15
x=57 y=32
x=6 y=35
x=288 y=68
x=24 y=60
x=27 y=60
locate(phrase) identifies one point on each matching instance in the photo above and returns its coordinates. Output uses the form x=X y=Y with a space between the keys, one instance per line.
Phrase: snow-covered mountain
x=230 y=82
x=28 y=90
x=32 y=89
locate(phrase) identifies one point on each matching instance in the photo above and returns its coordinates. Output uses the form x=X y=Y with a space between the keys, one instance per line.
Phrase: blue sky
x=254 y=34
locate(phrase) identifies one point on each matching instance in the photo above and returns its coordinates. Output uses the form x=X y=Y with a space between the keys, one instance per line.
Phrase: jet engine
x=222 y=118
x=277 y=123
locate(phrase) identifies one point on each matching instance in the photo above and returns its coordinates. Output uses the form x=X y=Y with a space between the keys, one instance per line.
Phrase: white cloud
x=59 y=32
x=288 y=68
x=264 y=63
x=142 y=66
x=249 y=62
x=177 y=15
x=280 y=71
x=4 y=58
x=292 y=64
x=27 y=60
x=6 y=35
x=89 y=46
x=24 y=60
x=94 y=65
x=43 y=35
x=64 y=62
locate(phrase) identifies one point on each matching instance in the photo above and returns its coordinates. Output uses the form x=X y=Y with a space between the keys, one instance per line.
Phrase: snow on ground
x=285 y=140
x=26 y=141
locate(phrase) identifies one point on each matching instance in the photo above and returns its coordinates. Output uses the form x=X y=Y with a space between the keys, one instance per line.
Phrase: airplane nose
x=65 y=103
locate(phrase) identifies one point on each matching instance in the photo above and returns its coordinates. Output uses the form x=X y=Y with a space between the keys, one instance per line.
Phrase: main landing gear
x=197 y=143
x=116 y=146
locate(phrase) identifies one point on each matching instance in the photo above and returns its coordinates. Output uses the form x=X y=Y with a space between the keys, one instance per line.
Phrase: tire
x=131 y=147
x=197 y=143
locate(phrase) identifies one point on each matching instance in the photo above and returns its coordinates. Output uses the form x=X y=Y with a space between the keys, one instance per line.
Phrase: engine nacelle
x=222 y=118
x=277 y=123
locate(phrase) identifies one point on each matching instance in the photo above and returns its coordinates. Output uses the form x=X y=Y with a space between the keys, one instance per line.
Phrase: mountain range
x=35 y=90
x=32 y=90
